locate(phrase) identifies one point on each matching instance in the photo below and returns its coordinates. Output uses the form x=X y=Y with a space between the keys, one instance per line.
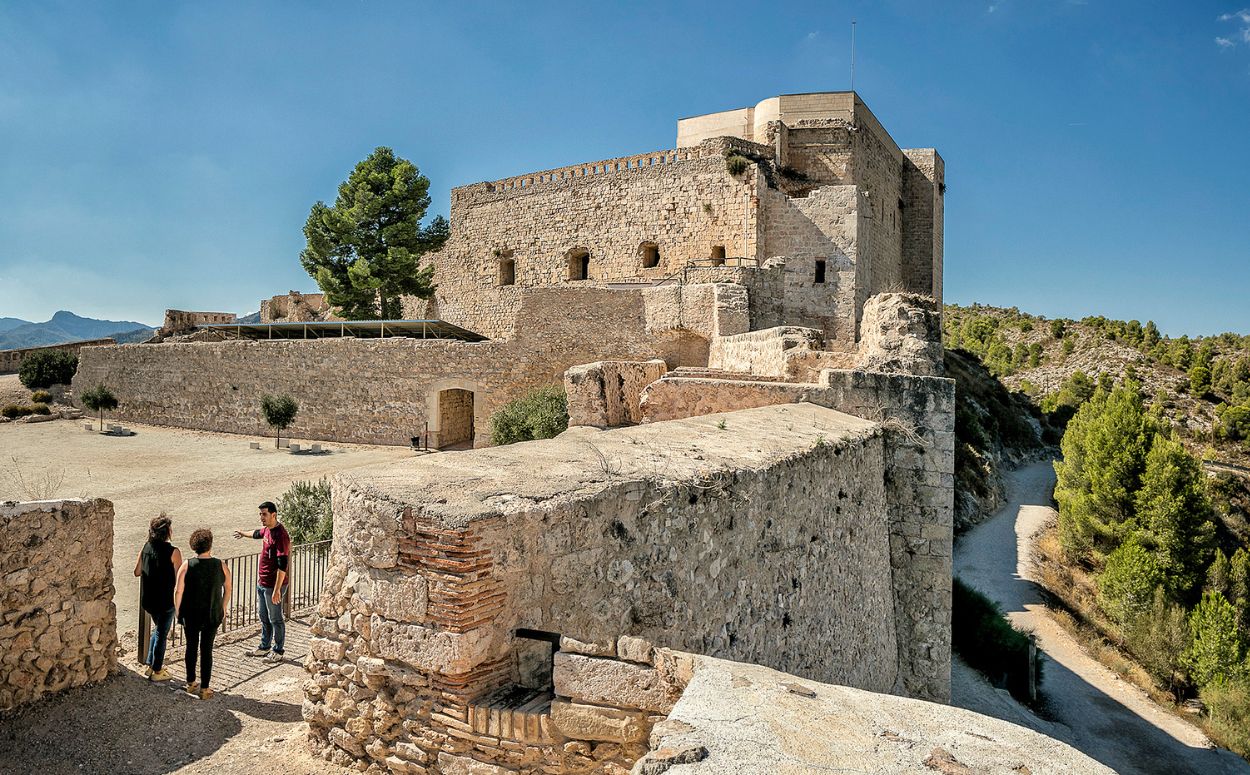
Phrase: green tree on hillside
x=1215 y=652
x=1126 y=585
x=1199 y=380
x=1160 y=638
x=1174 y=515
x=1104 y=456
x=365 y=252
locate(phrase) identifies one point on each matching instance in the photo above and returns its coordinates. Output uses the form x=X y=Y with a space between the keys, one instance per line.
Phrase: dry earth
x=200 y=479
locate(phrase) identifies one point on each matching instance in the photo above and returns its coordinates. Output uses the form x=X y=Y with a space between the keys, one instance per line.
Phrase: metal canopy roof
x=361 y=329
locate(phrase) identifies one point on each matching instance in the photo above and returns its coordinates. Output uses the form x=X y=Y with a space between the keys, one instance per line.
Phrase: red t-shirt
x=275 y=543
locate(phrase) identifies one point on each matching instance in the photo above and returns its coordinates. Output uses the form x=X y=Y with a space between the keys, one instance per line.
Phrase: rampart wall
x=11 y=360
x=691 y=535
x=58 y=624
x=384 y=391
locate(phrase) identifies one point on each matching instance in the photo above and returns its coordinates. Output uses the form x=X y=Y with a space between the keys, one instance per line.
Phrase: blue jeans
x=272 y=625
x=156 y=644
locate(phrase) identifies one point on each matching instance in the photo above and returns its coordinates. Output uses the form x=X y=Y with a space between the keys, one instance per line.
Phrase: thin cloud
x=1241 y=19
x=1243 y=16
x=1224 y=43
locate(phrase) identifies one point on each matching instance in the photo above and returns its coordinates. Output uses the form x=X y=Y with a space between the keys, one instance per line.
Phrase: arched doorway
x=455 y=418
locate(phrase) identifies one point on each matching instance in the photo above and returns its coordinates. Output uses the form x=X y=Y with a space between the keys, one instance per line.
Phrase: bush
x=541 y=414
x=305 y=510
x=737 y=164
x=13 y=411
x=47 y=368
x=1228 y=714
x=983 y=637
x=41 y=397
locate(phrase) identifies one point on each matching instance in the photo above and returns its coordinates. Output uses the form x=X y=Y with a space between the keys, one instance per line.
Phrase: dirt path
x=200 y=479
x=1106 y=718
x=130 y=725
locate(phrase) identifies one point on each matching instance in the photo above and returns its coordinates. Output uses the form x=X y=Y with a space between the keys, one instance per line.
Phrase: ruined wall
x=605 y=394
x=902 y=334
x=11 y=360
x=690 y=536
x=296 y=307
x=384 y=391
x=59 y=626
x=767 y=353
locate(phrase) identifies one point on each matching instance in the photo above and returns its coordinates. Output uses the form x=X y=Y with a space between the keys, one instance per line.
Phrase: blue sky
x=165 y=154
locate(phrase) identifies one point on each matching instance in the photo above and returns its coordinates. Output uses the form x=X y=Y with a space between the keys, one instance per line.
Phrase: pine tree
x=1219 y=576
x=365 y=251
x=1127 y=583
x=1215 y=652
x=1174 y=515
x=1104 y=456
x=1160 y=638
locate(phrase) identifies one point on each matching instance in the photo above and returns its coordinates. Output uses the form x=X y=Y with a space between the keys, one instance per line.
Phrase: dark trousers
x=200 y=639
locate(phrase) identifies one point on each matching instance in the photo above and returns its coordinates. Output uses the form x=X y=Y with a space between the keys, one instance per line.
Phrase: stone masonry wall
x=605 y=393
x=920 y=464
x=11 y=360
x=619 y=547
x=58 y=628
x=384 y=391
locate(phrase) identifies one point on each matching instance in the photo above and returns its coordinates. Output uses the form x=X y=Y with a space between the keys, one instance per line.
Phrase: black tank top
x=157 y=581
x=201 y=592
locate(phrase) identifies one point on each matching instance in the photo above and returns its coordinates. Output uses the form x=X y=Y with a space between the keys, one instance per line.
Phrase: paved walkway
x=1105 y=717
x=130 y=725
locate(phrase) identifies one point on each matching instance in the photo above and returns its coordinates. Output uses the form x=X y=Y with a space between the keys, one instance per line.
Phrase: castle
x=760 y=466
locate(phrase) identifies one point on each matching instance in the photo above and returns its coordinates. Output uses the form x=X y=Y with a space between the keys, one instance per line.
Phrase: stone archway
x=451 y=407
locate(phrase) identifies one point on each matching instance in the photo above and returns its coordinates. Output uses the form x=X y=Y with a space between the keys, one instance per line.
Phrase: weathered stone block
x=593 y=722
x=429 y=649
x=399 y=596
x=610 y=682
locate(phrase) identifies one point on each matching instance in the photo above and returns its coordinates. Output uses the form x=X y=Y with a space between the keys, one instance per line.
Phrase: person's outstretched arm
x=253 y=534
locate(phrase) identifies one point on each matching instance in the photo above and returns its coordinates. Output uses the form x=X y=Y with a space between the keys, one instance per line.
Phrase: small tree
x=305 y=510
x=47 y=368
x=1215 y=651
x=1127 y=583
x=1160 y=638
x=279 y=412
x=99 y=399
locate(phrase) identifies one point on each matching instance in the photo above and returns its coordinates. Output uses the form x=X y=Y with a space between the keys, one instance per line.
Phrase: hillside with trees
x=1152 y=546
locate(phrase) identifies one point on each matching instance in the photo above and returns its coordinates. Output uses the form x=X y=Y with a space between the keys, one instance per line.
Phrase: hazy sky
x=165 y=154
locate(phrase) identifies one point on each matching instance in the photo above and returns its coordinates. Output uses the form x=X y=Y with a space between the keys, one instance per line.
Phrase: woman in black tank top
x=202 y=601
x=156 y=568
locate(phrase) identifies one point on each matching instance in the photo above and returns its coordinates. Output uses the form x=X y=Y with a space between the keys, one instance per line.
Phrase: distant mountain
x=7 y=324
x=68 y=327
x=252 y=318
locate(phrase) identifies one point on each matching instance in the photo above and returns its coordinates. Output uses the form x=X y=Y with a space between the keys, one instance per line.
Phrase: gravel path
x=130 y=725
x=1106 y=718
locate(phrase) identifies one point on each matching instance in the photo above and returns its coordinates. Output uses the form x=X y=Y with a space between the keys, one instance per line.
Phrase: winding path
x=1106 y=718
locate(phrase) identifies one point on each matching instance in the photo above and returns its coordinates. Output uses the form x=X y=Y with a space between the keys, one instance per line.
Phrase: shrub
x=13 y=411
x=541 y=414
x=983 y=637
x=47 y=368
x=1228 y=714
x=305 y=510
x=39 y=408
x=41 y=397
x=1057 y=328
x=279 y=412
x=737 y=164
x=1126 y=585
x=1159 y=639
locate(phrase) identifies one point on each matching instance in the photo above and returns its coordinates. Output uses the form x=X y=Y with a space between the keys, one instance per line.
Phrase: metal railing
x=306 y=570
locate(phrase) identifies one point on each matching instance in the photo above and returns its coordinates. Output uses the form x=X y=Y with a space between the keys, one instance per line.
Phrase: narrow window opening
x=718 y=255
x=535 y=651
x=507 y=270
x=650 y=255
x=579 y=264
x=820 y=271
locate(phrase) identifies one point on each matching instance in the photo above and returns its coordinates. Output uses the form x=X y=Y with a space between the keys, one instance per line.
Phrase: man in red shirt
x=275 y=553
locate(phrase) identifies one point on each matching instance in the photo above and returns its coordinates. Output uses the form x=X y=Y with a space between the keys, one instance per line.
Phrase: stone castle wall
x=58 y=628
x=384 y=391
x=11 y=360
x=689 y=536
x=179 y=321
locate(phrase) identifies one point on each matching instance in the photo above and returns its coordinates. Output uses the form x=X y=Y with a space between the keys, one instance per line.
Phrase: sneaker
x=160 y=675
x=194 y=688
x=205 y=694
x=147 y=672
x=258 y=652
x=274 y=657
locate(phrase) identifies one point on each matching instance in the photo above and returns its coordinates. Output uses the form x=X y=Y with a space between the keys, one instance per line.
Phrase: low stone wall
x=766 y=353
x=605 y=394
x=59 y=625
x=522 y=606
x=11 y=360
x=385 y=391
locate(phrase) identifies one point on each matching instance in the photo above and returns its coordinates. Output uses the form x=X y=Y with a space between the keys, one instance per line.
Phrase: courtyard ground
x=199 y=479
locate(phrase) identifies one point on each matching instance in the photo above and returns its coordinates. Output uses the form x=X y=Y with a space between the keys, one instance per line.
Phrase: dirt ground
x=128 y=724
x=199 y=479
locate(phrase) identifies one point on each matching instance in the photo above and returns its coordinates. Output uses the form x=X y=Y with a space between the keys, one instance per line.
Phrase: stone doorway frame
x=433 y=410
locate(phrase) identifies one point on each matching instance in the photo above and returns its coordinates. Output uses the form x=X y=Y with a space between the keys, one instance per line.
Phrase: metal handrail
x=305 y=573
